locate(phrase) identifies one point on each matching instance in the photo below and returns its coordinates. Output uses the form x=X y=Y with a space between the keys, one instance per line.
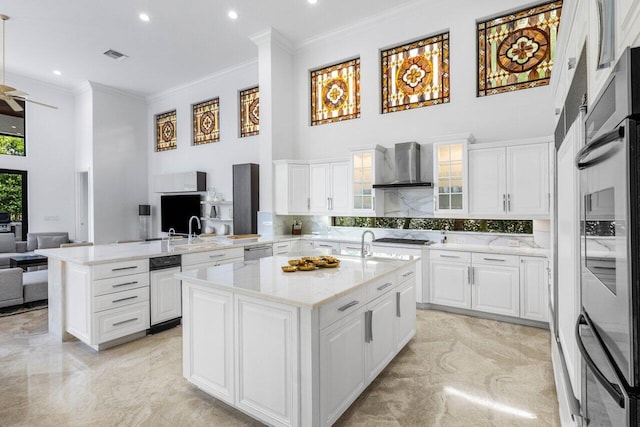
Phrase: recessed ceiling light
x=312 y=1
x=57 y=72
x=232 y=14
x=144 y=17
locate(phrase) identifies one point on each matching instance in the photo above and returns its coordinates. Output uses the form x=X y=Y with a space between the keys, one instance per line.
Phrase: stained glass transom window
x=516 y=51
x=250 y=112
x=206 y=122
x=415 y=74
x=335 y=93
x=166 y=134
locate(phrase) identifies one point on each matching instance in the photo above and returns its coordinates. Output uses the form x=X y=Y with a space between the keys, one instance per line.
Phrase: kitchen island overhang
x=295 y=349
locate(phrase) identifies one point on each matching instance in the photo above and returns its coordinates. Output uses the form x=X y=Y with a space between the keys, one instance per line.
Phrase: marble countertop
x=99 y=254
x=504 y=250
x=309 y=289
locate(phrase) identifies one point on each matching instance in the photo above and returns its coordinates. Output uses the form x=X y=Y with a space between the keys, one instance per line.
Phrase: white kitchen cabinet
x=180 y=182
x=405 y=315
x=291 y=187
x=422 y=278
x=281 y=248
x=450 y=170
x=381 y=347
x=206 y=259
x=266 y=348
x=166 y=295
x=342 y=365
x=534 y=276
x=324 y=244
x=329 y=187
x=450 y=279
x=366 y=169
x=207 y=349
x=495 y=286
x=509 y=181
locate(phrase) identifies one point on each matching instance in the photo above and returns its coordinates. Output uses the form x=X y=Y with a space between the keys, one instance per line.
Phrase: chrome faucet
x=363 y=253
x=191 y=222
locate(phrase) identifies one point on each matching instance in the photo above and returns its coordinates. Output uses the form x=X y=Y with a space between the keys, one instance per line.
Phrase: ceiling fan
x=9 y=94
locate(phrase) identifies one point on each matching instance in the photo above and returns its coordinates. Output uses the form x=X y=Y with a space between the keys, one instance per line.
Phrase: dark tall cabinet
x=246 y=198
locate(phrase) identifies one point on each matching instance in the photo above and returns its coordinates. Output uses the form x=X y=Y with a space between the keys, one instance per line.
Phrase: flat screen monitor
x=175 y=211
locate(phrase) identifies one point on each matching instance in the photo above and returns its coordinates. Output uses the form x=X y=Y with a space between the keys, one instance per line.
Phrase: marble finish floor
x=457 y=371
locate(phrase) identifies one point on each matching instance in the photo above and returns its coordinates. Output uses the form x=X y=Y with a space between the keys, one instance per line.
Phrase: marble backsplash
x=409 y=202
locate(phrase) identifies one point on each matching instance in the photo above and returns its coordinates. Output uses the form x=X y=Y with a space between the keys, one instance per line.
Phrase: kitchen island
x=295 y=349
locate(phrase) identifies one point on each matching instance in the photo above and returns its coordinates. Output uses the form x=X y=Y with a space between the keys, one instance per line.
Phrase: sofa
x=10 y=248
x=18 y=287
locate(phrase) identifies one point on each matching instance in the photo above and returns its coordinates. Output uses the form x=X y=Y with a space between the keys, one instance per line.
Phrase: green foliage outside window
x=11 y=195
x=437 y=224
x=12 y=145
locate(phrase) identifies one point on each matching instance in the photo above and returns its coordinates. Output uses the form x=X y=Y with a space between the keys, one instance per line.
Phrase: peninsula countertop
x=100 y=254
x=309 y=289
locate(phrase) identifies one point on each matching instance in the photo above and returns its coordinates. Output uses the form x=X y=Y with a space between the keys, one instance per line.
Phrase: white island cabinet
x=295 y=349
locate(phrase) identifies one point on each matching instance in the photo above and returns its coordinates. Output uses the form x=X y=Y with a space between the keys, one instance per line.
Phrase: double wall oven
x=608 y=328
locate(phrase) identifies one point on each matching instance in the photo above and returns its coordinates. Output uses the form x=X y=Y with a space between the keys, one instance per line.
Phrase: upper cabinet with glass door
x=450 y=176
x=367 y=166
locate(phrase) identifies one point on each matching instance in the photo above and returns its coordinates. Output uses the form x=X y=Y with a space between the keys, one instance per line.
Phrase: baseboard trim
x=489 y=316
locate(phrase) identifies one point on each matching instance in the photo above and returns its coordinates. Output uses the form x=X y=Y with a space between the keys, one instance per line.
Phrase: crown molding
x=64 y=89
x=115 y=91
x=274 y=36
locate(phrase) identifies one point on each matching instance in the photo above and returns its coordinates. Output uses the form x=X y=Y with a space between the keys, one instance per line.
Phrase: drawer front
x=326 y=245
x=343 y=306
x=406 y=273
x=118 y=284
x=122 y=268
x=119 y=322
x=450 y=256
x=212 y=263
x=381 y=286
x=493 y=259
x=281 y=248
x=120 y=299
x=212 y=256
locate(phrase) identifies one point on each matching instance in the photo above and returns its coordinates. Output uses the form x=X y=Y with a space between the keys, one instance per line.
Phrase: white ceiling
x=184 y=41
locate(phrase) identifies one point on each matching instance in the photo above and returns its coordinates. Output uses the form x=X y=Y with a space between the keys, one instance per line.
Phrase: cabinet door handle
x=124 y=284
x=347 y=306
x=469 y=280
x=328 y=204
x=124 y=321
x=494 y=259
x=509 y=202
x=385 y=286
x=504 y=202
x=308 y=203
x=398 y=305
x=124 y=268
x=124 y=299
x=368 y=326
x=408 y=273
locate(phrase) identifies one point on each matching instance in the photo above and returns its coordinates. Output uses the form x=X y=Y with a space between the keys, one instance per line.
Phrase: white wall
x=522 y=114
x=119 y=167
x=217 y=158
x=50 y=156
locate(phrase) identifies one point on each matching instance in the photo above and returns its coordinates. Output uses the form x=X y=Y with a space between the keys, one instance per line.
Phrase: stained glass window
x=206 y=122
x=335 y=93
x=166 y=134
x=250 y=112
x=415 y=74
x=516 y=51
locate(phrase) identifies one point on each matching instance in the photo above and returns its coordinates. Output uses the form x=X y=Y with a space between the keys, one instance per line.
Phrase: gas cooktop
x=404 y=241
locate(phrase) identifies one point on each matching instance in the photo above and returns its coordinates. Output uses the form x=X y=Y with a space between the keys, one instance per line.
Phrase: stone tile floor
x=457 y=371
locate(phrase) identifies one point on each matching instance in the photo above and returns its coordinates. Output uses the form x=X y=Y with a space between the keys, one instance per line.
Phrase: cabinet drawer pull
x=124 y=299
x=282 y=246
x=347 y=306
x=449 y=256
x=124 y=284
x=494 y=259
x=352 y=248
x=385 y=286
x=216 y=256
x=325 y=246
x=124 y=268
x=125 y=321
x=408 y=273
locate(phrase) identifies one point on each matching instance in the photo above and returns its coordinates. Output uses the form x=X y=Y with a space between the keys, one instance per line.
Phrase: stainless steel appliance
x=256 y=252
x=608 y=328
x=407 y=156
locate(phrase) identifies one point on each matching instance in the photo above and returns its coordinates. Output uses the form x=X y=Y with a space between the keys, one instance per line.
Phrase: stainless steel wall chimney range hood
x=407 y=167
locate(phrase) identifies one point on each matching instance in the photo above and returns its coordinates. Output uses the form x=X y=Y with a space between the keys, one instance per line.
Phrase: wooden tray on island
x=243 y=236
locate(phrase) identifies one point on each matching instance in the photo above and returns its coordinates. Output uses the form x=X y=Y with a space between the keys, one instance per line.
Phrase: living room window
x=12 y=131
x=13 y=199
